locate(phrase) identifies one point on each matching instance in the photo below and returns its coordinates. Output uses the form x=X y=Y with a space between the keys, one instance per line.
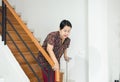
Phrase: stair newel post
x=3 y=22
x=57 y=76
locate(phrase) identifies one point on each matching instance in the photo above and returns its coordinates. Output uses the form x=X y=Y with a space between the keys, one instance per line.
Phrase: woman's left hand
x=67 y=58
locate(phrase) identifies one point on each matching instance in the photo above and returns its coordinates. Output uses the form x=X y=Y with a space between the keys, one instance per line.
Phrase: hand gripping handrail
x=50 y=61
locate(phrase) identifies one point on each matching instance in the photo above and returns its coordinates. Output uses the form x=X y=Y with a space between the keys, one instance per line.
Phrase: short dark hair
x=65 y=23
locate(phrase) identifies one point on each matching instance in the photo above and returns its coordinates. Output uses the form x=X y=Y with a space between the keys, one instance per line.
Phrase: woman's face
x=64 y=33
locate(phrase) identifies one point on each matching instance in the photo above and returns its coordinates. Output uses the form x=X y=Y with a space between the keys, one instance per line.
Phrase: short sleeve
x=51 y=39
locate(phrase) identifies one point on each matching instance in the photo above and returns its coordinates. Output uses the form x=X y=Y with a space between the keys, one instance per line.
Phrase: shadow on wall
x=79 y=71
x=94 y=59
x=95 y=65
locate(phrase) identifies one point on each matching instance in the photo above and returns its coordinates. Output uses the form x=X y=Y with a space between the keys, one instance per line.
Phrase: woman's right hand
x=56 y=67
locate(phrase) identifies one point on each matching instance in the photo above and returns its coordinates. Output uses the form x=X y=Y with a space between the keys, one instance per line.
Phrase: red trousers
x=47 y=71
x=48 y=75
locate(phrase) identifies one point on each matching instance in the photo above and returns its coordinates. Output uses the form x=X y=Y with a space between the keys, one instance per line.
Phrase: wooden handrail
x=50 y=61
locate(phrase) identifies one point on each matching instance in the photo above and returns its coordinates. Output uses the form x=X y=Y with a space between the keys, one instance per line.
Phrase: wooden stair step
x=9 y=14
x=21 y=46
x=28 y=71
x=25 y=53
x=28 y=57
x=32 y=76
x=15 y=37
x=11 y=18
x=35 y=80
x=17 y=27
x=15 y=23
x=35 y=67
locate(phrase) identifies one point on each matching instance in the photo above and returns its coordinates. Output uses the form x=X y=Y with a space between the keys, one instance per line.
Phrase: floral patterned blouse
x=54 y=39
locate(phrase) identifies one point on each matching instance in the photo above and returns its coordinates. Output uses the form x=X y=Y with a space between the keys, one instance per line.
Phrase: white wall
x=10 y=70
x=45 y=15
x=97 y=41
x=114 y=38
x=104 y=42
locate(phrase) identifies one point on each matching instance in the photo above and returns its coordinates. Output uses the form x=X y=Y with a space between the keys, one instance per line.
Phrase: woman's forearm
x=53 y=57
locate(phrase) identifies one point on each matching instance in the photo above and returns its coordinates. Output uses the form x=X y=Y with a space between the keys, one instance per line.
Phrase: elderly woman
x=55 y=44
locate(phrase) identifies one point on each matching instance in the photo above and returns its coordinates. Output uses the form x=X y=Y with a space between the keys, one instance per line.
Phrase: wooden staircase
x=22 y=48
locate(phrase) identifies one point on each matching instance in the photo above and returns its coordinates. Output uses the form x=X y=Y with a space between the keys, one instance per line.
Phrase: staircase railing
x=20 y=50
x=3 y=22
x=5 y=5
x=9 y=35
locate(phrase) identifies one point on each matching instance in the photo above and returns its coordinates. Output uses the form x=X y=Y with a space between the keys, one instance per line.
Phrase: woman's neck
x=61 y=37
